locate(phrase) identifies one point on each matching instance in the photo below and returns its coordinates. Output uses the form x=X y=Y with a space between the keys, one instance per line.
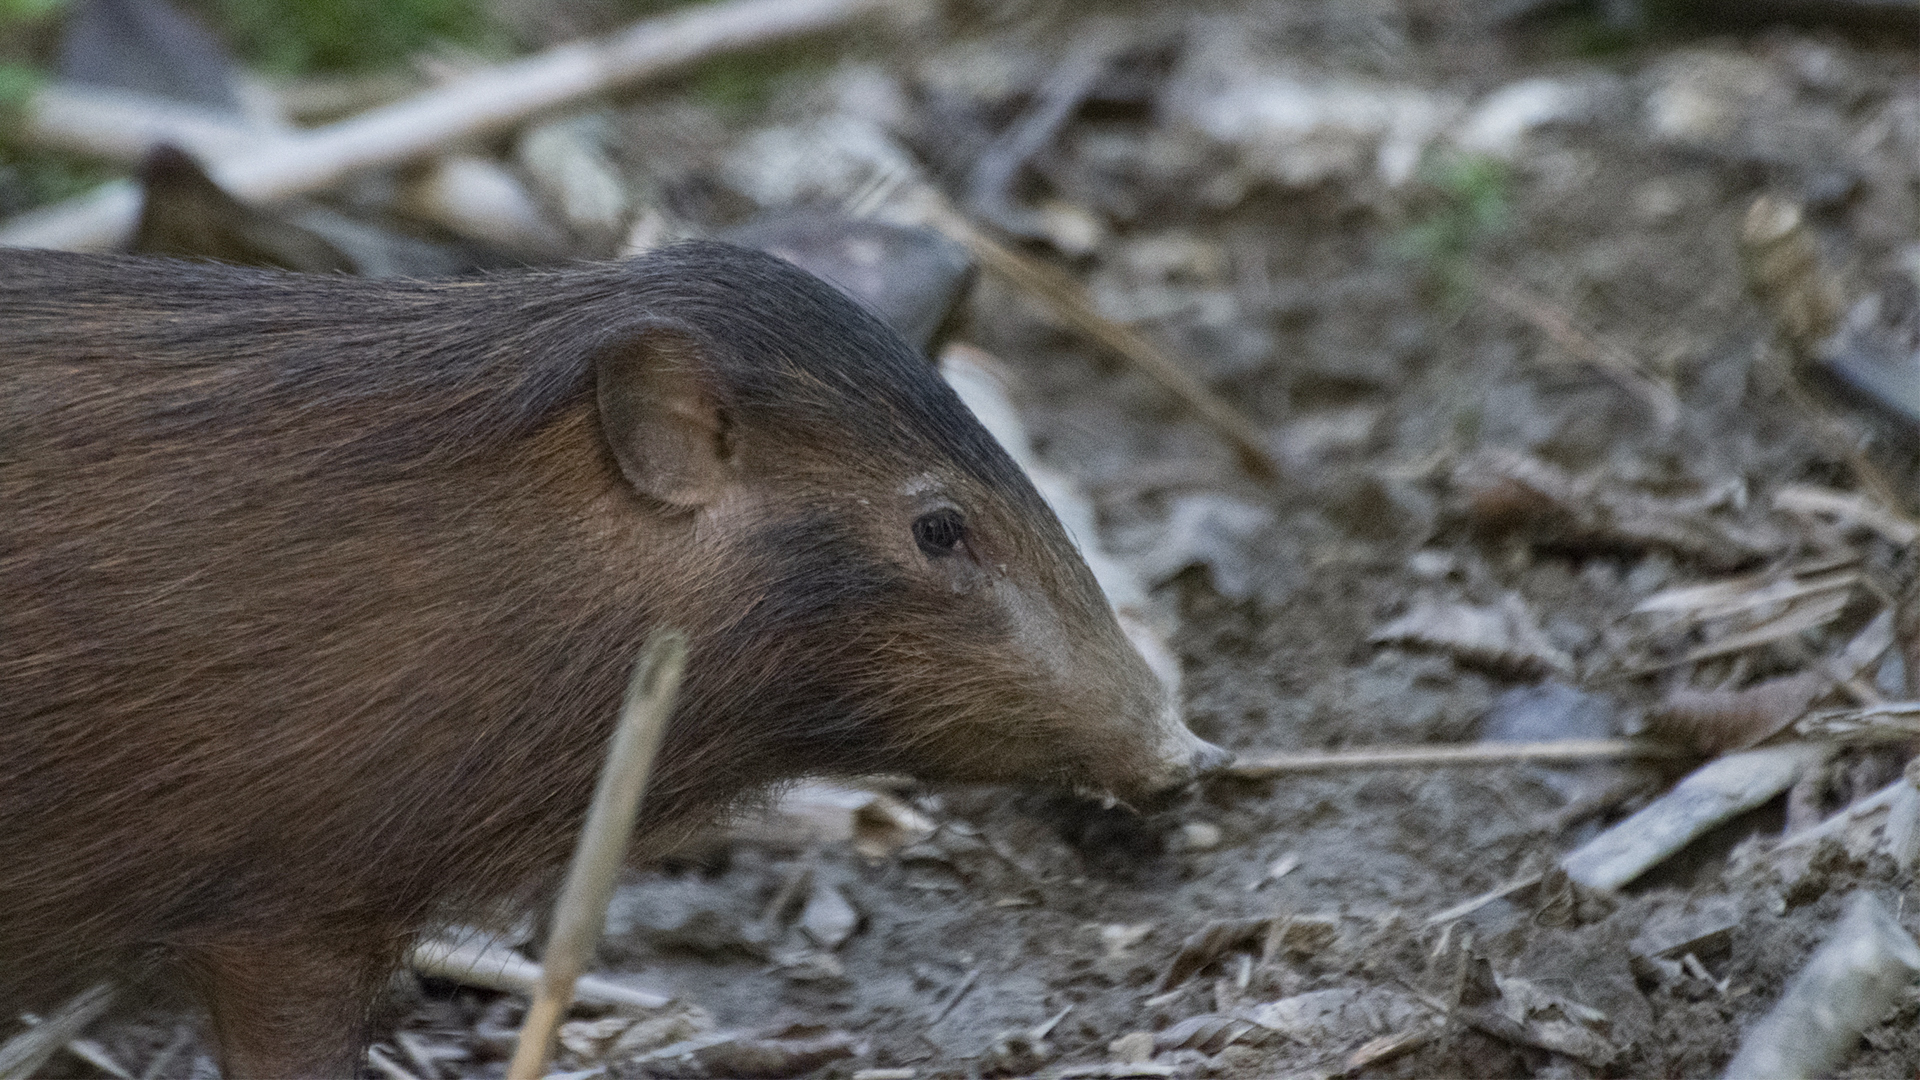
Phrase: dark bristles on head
x=801 y=354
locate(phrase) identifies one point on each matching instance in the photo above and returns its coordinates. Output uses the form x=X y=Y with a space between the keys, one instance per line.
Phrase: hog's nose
x=1209 y=759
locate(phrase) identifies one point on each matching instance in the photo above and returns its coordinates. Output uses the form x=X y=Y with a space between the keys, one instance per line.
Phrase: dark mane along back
x=394 y=372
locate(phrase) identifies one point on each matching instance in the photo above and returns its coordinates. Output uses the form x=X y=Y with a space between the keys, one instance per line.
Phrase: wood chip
x=1208 y=1033
x=1850 y=984
x=1299 y=934
x=1712 y=794
x=1848 y=508
x=1386 y=1048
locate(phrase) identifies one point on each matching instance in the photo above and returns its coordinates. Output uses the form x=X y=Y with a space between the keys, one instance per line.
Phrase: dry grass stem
x=1589 y=348
x=1068 y=301
x=22 y=1056
x=581 y=913
x=1447 y=756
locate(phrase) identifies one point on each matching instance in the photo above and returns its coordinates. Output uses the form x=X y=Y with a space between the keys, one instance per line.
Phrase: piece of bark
x=1710 y=795
x=1850 y=984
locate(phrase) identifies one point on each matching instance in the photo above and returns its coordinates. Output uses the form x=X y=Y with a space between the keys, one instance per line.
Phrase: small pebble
x=1429 y=564
x=1133 y=1048
x=1198 y=836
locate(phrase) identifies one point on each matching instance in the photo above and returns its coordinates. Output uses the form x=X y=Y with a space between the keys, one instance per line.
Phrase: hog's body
x=318 y=595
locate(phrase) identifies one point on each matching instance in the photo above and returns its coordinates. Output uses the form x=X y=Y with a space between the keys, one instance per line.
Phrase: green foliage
x=17 y=84
x=300 y=36
x=743 y=85
x=30 y=180
x=1473 y=206
x=23 y=11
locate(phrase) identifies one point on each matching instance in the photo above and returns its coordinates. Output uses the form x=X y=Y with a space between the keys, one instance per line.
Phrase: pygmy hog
x=318 y=596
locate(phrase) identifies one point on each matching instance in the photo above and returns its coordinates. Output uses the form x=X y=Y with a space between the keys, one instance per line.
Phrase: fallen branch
x=1717 y=791
x=1558 y=751
x=22 y=1055
x=1851 y=983
x=490 y=965
x=581 y=913
x=123 y=127
x=481 y=104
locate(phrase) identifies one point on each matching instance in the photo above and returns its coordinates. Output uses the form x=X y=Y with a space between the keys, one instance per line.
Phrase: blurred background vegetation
x=293 y=41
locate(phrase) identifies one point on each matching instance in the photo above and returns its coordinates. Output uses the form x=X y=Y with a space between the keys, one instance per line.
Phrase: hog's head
x=873 y=584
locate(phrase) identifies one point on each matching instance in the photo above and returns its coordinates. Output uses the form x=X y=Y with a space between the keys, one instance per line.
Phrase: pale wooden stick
x=1725 y=786
x=1560 y=751
x=121 y=126
x=1850 y=984
x=582 y=910
x=481 y=104
x=22 y=1055
x=494 y=966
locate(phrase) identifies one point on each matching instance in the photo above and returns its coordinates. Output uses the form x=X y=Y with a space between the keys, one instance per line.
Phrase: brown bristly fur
x=318 y=596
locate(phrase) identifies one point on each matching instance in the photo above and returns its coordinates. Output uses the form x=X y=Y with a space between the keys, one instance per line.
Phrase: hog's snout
x=1183 y=757
x=1208 y=759
x=1188 y=765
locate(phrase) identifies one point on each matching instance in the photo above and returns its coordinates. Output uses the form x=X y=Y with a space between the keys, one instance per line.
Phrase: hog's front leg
x=287 y=1010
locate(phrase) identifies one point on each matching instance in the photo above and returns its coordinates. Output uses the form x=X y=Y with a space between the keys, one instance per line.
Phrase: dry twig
x=1558 y=751
x=1067 y=299
x=1602 y=355
x=1717 y=791
x=582 y=910
x=493 y=966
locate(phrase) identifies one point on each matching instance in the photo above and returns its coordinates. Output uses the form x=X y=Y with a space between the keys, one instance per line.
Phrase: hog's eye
x=940 y=532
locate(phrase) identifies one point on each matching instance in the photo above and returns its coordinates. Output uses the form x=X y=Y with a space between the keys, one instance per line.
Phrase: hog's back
x=285 y=646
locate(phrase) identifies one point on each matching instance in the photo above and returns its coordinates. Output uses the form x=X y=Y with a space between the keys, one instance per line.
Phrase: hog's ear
x=661 y=417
